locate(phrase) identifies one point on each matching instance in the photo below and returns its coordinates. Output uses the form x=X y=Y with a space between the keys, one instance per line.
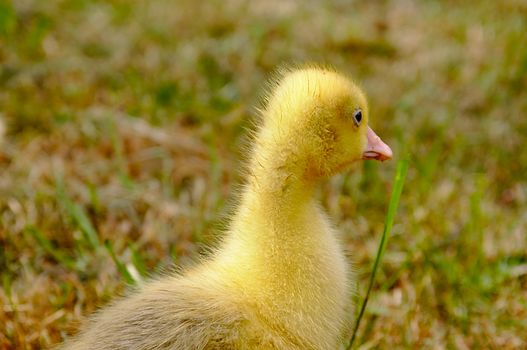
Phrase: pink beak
x=376 y=148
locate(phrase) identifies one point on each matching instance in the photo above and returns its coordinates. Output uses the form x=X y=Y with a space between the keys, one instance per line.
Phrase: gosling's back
x=179 y=314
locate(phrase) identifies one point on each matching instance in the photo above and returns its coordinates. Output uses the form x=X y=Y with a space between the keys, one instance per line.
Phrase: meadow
x=121 y=133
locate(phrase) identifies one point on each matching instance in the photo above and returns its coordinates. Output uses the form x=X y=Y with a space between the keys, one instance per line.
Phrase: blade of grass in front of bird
x=400 y=175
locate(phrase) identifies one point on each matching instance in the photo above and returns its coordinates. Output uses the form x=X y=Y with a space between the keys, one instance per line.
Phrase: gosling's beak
x=376 y=148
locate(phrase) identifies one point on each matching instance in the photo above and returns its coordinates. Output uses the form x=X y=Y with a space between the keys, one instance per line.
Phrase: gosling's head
x=318 y=121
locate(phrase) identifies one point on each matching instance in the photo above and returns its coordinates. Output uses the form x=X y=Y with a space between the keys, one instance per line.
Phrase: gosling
x=279 y=279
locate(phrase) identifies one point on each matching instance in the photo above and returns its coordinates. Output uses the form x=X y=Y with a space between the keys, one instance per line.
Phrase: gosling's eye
x=357 y=117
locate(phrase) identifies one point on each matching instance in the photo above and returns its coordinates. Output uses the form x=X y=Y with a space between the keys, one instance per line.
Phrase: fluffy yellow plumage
x=279 y=280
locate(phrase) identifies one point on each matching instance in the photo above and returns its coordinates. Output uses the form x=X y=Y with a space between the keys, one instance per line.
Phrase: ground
x=122 y=129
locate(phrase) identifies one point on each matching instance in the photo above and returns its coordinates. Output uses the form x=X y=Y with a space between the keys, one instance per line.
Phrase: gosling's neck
x=277 y=182
x=283 y=256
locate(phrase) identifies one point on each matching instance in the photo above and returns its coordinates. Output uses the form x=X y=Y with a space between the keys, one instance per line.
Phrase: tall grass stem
x=400 y=176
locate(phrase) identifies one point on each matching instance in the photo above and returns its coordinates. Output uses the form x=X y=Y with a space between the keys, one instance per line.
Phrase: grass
x=121 y=122
x=400 y=175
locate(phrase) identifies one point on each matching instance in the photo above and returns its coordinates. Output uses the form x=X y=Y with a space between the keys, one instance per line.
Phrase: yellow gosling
x=279 y=280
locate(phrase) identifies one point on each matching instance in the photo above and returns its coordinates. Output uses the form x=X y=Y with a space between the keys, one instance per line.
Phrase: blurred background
x=121 y=124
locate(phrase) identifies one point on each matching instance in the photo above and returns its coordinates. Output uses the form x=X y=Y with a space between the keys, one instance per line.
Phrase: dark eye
x=357 y=117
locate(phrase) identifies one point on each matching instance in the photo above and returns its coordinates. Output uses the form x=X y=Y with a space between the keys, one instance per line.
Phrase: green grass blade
x=49 y=248
x=400 y=175
x=81 y=219
x=138 y=261
x=120 y=266
x=77 y=214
